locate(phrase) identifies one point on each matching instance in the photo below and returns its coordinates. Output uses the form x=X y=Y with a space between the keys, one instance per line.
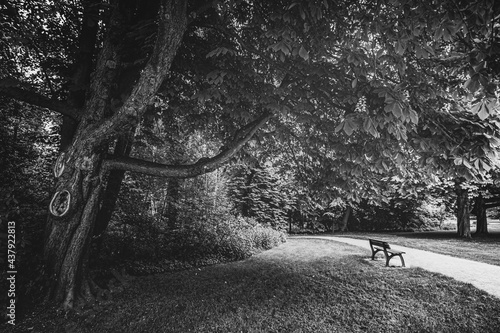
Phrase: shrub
x=433 y=212
x=233 y=238
x=265 y=238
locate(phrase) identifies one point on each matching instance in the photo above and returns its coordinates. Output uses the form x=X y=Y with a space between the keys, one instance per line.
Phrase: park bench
x=377 y=246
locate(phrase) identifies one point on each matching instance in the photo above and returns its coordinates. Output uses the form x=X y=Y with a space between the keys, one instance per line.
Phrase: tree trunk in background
x=345 y=218
x=463 y=216
x=481 y=218
x=123 y=147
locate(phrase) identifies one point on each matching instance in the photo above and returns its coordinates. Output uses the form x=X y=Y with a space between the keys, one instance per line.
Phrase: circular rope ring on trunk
x=59 y=166
x=60 y=203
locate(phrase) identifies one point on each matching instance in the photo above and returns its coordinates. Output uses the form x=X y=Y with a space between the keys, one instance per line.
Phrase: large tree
x=303 y=67
x=105 y=99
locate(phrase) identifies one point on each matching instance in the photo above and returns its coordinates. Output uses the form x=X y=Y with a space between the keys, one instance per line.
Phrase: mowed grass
x=479 y=248
x=304 y=285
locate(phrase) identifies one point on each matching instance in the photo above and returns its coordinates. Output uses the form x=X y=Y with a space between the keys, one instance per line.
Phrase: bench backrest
x=382 y=244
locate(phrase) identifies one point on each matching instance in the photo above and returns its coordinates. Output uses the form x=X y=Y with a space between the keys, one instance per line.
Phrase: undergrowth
x=198 y=243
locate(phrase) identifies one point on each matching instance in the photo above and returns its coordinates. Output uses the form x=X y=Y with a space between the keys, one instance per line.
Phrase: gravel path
x=482 y=276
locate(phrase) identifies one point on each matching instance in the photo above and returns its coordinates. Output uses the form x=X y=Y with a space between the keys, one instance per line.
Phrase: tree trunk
x=79 y=170
x=481 y=218
x=463 y=217
x=70 y=228
x=345 y=218
x=123 y=147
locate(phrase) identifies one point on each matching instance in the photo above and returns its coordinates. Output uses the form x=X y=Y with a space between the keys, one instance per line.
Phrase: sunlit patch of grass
x=302 y=286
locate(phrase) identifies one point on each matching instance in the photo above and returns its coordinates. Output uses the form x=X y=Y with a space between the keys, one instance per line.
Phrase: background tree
x=257 y=192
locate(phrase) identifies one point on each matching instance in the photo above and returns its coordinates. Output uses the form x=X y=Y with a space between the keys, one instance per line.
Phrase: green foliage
x=39 y=41
x=258 y=193
x=357 y=91
x=313 y=213
x=398 y=214
x=403 y=107
x=433 y=212
x=28 y=143
x=159 y=223
x=408 y=213
x=232 y=239
x=157 y=248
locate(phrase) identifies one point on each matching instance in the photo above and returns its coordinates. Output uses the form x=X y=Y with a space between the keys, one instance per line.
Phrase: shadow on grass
x=302 y=286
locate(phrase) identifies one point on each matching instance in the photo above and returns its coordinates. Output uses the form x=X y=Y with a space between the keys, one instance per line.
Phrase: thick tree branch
x=10 y=89
x=82 y=69
x=171 y=27
x=492 y=205
x=192 y=170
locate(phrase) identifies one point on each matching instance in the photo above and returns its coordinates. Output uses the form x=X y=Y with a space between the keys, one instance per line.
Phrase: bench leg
x=402 y=260
x=374 y=252
x=390 y=257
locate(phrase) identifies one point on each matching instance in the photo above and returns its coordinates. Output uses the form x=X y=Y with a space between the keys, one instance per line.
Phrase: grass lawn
x=479 y=248
x=303 y=285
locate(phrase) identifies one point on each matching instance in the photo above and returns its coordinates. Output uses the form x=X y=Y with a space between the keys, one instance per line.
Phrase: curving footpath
x=481 y=275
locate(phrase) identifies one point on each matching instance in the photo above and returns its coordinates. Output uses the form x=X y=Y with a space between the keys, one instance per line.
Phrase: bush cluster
x=196 y=243
x=233 y=238
x=432 y=213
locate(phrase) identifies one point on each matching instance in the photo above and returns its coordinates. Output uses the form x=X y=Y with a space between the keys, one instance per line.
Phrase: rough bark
x=171 y=27
x=66 y=246
x=481 y=219
x=463 y=216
